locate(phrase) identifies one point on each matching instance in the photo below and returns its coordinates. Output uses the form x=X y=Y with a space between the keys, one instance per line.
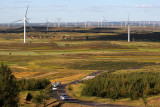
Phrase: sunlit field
x=54 y=58
x=53 y=61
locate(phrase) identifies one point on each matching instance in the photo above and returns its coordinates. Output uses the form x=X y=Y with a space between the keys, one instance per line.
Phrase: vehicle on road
x=63 y=97
x=56 y=84
x=54 y=88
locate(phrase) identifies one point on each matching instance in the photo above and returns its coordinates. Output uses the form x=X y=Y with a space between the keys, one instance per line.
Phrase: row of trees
x=33 y=84
x=117 y=86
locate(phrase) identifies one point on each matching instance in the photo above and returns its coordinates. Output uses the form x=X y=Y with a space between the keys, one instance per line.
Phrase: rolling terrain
x=69 y=54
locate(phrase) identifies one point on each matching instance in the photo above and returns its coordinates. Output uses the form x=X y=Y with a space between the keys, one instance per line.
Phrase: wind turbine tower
x=85 y=24
x=47 y=23
x=128 y=29
x=153 y=24
x=98 y=24
x=59 y=21
x=121 y=24
x=75 y=24
x=25 y=22
x=104 y=21
x=144 y=24
x=66 y=24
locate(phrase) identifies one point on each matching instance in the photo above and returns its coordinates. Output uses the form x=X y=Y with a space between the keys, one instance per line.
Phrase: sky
x=80 y=10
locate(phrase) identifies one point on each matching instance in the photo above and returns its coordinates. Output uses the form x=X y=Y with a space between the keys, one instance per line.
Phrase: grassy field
x=50 y=60
x=48 y=55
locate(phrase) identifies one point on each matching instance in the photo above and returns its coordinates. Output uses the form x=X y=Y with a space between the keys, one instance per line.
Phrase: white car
x=63 y=97
x=54 y=85
x=54 y=88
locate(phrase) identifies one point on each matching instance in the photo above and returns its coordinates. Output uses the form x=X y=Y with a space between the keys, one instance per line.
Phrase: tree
x=42 y=97
x=9 y=90
x=29 y=97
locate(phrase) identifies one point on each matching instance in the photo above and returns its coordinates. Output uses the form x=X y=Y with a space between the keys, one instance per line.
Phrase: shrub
x=29 y=97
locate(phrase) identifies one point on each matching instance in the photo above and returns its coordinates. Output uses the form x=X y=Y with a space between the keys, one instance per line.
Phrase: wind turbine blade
x=46 y=20
x=104 y=18
x=128 y=17
x=17 y=21
x=26 y=11
x=29 y=25
x=27 y=19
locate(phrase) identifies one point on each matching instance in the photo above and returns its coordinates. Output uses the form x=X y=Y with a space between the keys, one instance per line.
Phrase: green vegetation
x=117 y=86
x=109 y=66
x=41 y=98
x=9 y=92
x=33 y=84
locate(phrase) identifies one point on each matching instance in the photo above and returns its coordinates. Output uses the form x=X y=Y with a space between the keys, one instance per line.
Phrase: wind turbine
x=47 y=23
x=104 y=20
x=153 y=24
x=128 y=29
x=75 y=24
x=85 y=24
x=144 y=24
x=121 y=24
x=66 y=24
x=8 y=25
x=98 y=24
x=59 y=21
x=25 y=22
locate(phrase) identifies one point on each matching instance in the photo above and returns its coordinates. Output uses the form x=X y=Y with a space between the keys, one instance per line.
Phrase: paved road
x=61 y=89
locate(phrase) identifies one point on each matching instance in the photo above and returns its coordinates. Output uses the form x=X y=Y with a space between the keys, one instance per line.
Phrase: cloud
x=97 y=8
x=59 y=7
x=143 y=6
x=23 y=1
x=104 y=8
x=146 y=6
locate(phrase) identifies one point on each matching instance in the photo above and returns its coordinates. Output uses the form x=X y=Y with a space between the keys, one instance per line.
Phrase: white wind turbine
x=25 y=22
x=104 y=20
x=121 y=24
x=66 y=24
x=85 y=24
x=59 y=21
x=128 y=29
x=47 y=23
x=75 y=24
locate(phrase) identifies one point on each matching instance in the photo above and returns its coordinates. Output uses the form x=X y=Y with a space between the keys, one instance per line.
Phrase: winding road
x=62 y=89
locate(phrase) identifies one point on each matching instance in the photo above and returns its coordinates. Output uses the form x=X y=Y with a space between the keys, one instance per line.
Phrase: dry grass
x=71 y=78
x=73 y=105
x=153 y=68
x=23 y=74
